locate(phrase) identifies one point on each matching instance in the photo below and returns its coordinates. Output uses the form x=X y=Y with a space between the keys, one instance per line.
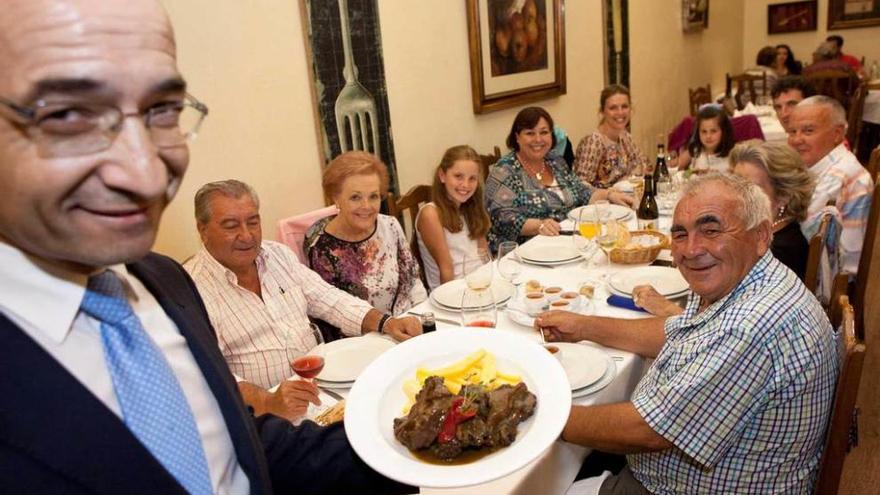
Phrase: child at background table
x=455 y=222
x=710 y=142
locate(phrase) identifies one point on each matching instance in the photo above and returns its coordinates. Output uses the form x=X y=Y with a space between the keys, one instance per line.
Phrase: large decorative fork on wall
x=354 y=105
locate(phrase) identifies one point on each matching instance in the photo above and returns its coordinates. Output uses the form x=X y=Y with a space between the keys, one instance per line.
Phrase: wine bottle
x=661 y=171
x=648 y=213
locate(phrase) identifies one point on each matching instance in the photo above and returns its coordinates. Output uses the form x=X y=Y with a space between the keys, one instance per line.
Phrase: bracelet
x=382 y=321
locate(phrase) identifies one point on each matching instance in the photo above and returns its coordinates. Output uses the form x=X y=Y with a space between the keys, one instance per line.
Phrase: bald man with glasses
x=110 y=374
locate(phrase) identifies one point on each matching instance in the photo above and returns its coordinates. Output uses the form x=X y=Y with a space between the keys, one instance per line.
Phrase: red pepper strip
x=452 y=420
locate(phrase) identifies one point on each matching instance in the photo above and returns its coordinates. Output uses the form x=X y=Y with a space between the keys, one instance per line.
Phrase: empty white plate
x=544 y=249
x=448 y=295
x=344 y=359
x=667 y=281
x=617 y=212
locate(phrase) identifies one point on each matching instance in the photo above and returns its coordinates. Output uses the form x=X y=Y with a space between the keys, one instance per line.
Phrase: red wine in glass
x=482 y=323
x=307 y=367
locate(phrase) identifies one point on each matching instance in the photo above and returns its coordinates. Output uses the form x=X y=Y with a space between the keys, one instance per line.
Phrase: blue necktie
x=153 y=405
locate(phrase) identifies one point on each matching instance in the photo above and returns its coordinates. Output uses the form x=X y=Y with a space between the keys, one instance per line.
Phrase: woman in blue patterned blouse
x=531 y=189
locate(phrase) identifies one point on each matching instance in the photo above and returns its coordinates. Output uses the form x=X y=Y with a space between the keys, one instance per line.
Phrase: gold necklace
x=536 y=174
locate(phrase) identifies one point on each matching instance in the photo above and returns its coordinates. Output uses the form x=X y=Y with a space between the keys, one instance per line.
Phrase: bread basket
x=635 y=255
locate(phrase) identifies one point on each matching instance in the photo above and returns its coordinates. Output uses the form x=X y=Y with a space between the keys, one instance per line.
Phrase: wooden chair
x=814 y=256
x=866 y=259
x=746 y=82
x=854 y=116
x=699 y=96
x=411 y=202
x=488 y=161
x=842 y=432
x=840 y=85
x=874 y=162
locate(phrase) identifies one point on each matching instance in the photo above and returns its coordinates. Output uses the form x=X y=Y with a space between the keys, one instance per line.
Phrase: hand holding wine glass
x=309 y=366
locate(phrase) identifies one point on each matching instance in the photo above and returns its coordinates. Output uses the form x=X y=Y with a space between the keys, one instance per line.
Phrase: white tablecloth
x=871 y=112
x=555 y=471
x=770 y=125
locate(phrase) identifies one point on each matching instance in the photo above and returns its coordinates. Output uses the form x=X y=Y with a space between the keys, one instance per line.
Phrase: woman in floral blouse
x=530 y=190
x=609 y=154
x=359 y=250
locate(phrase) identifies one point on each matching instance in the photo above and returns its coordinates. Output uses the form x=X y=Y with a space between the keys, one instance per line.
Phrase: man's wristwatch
x=382 y=321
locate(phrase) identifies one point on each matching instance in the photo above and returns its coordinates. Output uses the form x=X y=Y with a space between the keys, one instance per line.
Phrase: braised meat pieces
x=447 y=424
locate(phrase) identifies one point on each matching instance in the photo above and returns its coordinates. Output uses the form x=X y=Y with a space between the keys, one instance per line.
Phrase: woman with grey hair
x=778 y=170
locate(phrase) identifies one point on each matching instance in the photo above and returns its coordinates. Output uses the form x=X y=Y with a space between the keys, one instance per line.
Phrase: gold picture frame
x=847 y=14
x=517 y=55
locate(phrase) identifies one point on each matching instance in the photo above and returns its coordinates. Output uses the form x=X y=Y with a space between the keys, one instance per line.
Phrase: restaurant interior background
x=247 y=60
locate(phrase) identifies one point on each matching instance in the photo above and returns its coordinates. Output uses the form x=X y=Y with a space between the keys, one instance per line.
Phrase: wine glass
x=609 y=233
x=477 y=300
x=509 y=266
x=309 y=366
x=587 y=227
x=477 y=269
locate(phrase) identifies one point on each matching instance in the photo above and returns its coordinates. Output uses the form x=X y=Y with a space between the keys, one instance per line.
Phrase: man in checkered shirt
x=740 y=392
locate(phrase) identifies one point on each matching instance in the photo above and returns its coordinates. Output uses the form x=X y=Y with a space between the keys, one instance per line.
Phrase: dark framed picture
x=694 y=15
x=845 y=14
x=517 y=52
x=791 y=17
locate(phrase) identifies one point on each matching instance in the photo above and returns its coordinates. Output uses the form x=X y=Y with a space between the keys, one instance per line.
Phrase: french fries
x=476 y=368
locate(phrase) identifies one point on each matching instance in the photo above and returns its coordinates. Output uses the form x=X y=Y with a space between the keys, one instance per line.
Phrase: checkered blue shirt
x=743 y=390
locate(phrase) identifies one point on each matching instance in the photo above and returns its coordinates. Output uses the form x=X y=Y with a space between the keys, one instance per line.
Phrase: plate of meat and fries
x=457 y=408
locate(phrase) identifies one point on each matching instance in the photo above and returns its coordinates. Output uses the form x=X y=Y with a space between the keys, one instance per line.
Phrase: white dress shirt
x=44 y=301
x=259 y=337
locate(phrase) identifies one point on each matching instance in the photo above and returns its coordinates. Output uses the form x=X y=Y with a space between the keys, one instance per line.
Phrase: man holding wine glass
x=259 y=298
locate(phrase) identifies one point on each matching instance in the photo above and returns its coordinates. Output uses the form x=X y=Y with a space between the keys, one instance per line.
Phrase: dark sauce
x=466 y=457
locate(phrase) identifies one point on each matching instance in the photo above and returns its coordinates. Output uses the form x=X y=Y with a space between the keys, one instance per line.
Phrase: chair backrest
x=866 y=259
x=745 y=82
x=844 y=413
x=854 y=116
x=699 y=96
x=814 y=256
x=487 y=161
x=292 y=230
x=840 y=85
x=411 y=201
x=874 y=162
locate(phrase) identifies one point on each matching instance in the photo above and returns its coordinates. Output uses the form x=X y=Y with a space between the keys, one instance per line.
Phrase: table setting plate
x=584 y=365
x=377 y=398
x=667 y=281
x=547 y=250
x=346 y=358
x=607 y=378
x=448 y=296
x=617 y=212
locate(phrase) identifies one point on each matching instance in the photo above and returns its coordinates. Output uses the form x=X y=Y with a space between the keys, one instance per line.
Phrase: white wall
x=858 y=42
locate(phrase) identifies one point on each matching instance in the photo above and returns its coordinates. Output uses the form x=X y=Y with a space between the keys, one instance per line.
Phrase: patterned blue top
x=743 y=390
x=513 y=196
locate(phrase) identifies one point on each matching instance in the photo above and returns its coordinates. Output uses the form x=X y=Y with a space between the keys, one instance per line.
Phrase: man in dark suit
x=110 y=376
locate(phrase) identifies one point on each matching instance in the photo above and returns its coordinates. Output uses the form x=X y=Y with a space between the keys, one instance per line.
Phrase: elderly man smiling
x=817 y=128
x=739 y=394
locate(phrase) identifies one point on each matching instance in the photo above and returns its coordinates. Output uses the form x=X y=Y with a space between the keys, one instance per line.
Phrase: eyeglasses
x=67 y=128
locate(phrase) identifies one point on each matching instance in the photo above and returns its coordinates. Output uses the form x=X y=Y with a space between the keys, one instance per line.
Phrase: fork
x=354 y=104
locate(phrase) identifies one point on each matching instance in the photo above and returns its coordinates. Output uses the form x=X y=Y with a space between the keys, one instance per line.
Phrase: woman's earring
x=781 y=212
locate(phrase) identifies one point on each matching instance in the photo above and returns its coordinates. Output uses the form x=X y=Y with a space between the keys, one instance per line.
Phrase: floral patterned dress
x=379 y=269
x=513 y=196
x=601 y=162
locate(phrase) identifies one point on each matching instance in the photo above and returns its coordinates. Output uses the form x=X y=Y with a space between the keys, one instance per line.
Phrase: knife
x=623 y=302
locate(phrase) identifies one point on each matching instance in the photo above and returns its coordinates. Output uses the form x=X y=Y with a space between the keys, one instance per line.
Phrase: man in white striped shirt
x=259 y=297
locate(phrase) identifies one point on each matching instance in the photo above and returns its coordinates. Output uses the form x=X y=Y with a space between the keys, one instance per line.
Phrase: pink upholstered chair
x=292 y=230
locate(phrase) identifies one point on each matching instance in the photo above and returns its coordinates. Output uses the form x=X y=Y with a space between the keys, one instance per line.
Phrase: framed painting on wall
x=517 y=52
x=694 y=15
x=791 y=17
x=845 y=14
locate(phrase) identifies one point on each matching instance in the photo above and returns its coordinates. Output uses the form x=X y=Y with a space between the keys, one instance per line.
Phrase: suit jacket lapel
x=48 y=415
x=177 y=295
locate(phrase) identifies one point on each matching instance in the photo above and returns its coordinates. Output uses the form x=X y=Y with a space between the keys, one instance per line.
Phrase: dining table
x=556 y=469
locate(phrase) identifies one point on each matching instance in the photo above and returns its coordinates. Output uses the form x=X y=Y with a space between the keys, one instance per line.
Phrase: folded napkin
x=623 y=302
